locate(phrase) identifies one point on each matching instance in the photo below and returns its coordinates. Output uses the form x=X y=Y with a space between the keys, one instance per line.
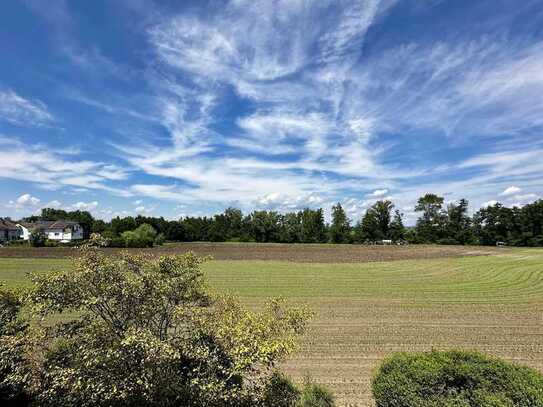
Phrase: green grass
x=515 y=277
x=15 y=272
x=510 y=278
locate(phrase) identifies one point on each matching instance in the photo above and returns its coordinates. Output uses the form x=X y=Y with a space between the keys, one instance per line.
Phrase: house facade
x=8 y=231
x=60 y=230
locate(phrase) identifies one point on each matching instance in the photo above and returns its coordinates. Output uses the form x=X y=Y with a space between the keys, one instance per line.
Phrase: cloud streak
x=19 y=111
x=56 y=169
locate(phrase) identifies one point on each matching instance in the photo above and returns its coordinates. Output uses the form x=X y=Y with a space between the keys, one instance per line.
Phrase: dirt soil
x=302 y=253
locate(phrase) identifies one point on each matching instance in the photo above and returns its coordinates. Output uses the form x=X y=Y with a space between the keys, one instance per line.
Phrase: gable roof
x=7 y=225
x=61 y=224
x=48 y=224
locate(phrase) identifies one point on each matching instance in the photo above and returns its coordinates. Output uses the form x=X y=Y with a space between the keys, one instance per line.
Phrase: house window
x=56 y=233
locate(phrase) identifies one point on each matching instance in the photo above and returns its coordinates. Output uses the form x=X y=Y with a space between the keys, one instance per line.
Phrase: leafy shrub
x=97 y=240
x=455 y=378
x=316 y=395
x=116 y=242
x=18 y=243
x=279 y=391
x=536 y=241
x=14 y=372
x=13 y=367
x=160 y=239
x=10 y=306
x=144 y=331
x=143 y=236
x=37 y=239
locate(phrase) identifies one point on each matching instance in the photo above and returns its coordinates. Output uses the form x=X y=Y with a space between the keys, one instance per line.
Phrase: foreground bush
x=13 y=368
x=316 y=395
x=142 y=331
x=281 y=392
x=455 y=379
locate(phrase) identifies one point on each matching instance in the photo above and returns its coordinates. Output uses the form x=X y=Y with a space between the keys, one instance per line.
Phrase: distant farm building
x=8 y=230
x=60 y=230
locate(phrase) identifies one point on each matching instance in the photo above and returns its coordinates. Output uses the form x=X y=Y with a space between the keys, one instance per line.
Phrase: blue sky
x=172 y=108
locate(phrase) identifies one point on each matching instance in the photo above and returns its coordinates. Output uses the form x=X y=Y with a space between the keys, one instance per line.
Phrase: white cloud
x=283 y=203
x=27 y=200
x=55 y=204
x=521 y=200
x=511 y=191
x=489 y=203
x=83 y=206
x=17 y=110
x=159 y=191
x=379 y=192
x=144 y=210
x=488 y=86
x=525 y=197
x=53 y=169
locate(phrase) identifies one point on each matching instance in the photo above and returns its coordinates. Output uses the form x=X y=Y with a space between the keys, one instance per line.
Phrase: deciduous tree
x=340 y=229
x=145 y=331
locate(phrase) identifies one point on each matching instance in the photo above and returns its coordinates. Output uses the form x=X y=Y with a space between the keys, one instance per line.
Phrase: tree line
x=438 y=223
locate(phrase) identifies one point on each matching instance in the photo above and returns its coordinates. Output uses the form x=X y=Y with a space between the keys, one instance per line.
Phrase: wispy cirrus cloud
x=55 y=169
x=263 y=51
x=489 y=84
x=511 y=190
x=20 y=111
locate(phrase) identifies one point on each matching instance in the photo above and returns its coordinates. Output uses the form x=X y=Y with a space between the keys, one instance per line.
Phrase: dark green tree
x=234 y=218
x=431 y=225
x=175 y=231
x=313 y=228
x=497 y=223
x=120 y=225
x=265 y=226
x=218 y=229
x=458 y=227
x=340 y=229
x=196 y=228
x=375 y=224
x=291 y=227
x=397 y=229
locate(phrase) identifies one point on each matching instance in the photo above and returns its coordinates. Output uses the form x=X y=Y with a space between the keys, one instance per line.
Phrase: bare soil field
x=299 y=253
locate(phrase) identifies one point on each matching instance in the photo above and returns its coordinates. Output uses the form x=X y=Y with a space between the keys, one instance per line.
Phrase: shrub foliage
x=455 y=379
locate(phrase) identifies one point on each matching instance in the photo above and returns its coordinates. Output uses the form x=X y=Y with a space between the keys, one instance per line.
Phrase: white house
x=61 y=230
x=8 y=231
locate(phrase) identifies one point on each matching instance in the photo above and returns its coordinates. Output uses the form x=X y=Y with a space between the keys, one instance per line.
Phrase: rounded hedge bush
x=455 y=379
